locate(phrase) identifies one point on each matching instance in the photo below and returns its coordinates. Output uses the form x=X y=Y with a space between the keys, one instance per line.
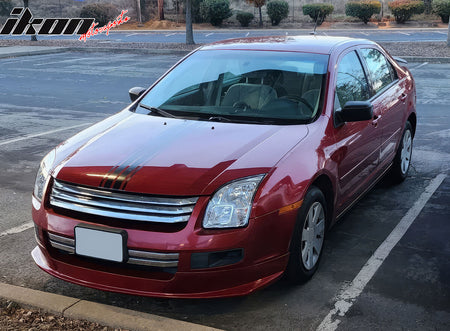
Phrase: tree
x=25 y=5
x=139 y=11
x=258 y=4
x=189 y=32
x=161 y=9
x=448 y=36
x=5 y=7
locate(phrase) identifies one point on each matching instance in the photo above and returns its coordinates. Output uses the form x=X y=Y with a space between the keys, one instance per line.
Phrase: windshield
x=247 y=86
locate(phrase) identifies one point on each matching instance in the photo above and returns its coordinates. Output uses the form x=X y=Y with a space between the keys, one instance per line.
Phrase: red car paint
x=186 y=158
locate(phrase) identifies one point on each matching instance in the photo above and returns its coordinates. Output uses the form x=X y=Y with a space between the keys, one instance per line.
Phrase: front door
x=358 y=143
x=389 y=100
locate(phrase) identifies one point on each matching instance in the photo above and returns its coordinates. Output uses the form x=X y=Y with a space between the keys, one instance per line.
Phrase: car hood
x=164 y=156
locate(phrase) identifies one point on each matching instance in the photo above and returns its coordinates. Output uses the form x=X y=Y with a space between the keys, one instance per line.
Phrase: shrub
x=362 y=9
x=427 y=4
x=5 y=7
x=196 y=13
x=102 y=12
x=404 y=9
x=318 y=11
x=277 y=11
x=442 y=8
x=244 y=18
x=215 y=11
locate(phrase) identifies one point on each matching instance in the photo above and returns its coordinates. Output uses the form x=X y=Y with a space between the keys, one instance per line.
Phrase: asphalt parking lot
x=45 y=99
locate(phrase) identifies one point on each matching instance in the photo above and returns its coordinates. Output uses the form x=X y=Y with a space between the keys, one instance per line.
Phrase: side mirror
x=136 y=92
x=354 y=111
x=400 y=61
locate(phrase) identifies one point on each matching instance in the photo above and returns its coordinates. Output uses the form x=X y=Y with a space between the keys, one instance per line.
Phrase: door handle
x=403 y=97
x=375 y=120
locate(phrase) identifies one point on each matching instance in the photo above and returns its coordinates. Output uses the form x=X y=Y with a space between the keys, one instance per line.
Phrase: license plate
x=101 y=244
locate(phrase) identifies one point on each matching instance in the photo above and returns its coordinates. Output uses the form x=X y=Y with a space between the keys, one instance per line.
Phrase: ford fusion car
x=227 y=172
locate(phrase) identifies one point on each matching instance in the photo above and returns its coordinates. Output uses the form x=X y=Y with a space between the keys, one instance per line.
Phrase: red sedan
x=226 y=173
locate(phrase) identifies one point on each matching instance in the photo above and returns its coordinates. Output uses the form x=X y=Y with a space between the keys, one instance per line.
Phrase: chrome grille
x=152 y=259
x=62 y=243
x=164 y=260
x=121 y=205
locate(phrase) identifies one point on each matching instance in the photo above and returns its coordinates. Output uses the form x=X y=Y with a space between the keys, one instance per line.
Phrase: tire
x=402 y=159
x=308 y=237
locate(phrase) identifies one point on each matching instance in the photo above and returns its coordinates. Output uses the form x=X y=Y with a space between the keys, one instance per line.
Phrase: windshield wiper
x=219 y=119
x=158 y=111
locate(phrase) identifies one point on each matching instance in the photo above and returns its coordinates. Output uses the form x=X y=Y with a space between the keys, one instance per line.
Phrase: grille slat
x=145 y=258
x=153 y=263
x=153 y=255
x=62 y=243
x=121 y=205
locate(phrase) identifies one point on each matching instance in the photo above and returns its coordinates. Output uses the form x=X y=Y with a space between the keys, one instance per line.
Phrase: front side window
x=256 y=86
x=351 y=83
x=380 y=70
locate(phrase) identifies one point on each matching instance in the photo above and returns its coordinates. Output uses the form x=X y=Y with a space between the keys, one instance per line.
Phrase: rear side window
x=351 y=82
x=380 y=70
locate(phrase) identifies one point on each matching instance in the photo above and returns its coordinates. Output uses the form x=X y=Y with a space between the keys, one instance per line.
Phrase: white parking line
x=9 y=141
x=209 y=34
x=17 y=229
x=348 y=295
x=420 y=65
x=406 y=34
x=441 y=134
x=78 y=59
x=170 y=34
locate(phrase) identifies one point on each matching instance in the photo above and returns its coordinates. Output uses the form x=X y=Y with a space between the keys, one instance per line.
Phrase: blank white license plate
x=99 y=244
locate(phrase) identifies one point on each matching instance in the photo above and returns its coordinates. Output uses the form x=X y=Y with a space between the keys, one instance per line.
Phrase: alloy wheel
x=406 y=151
x=313 y=235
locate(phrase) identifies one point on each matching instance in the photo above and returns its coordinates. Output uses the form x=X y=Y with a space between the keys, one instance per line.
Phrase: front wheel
x=308 y=237
x=402 y=160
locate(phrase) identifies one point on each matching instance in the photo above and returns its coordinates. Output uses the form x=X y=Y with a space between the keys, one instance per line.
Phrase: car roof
x=307 y=44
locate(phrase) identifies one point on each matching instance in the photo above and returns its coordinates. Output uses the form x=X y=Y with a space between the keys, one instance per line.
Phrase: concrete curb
x=184 y=52
x=111 y=316
x=225 y=30
x=15 y=51
x=158 y=51
x=426 y=59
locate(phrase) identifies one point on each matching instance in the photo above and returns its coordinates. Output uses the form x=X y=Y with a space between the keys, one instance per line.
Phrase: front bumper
x=265 y=243
x=197 y=284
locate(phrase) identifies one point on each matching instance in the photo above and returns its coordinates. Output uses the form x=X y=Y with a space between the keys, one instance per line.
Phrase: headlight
x=230 y=206
x=42 y=174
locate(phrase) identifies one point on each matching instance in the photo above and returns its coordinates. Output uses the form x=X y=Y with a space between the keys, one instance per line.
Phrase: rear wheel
x=402 y=160
x=308 y=237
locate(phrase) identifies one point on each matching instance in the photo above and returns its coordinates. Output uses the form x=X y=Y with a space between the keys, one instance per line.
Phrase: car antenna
x=315 y=25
